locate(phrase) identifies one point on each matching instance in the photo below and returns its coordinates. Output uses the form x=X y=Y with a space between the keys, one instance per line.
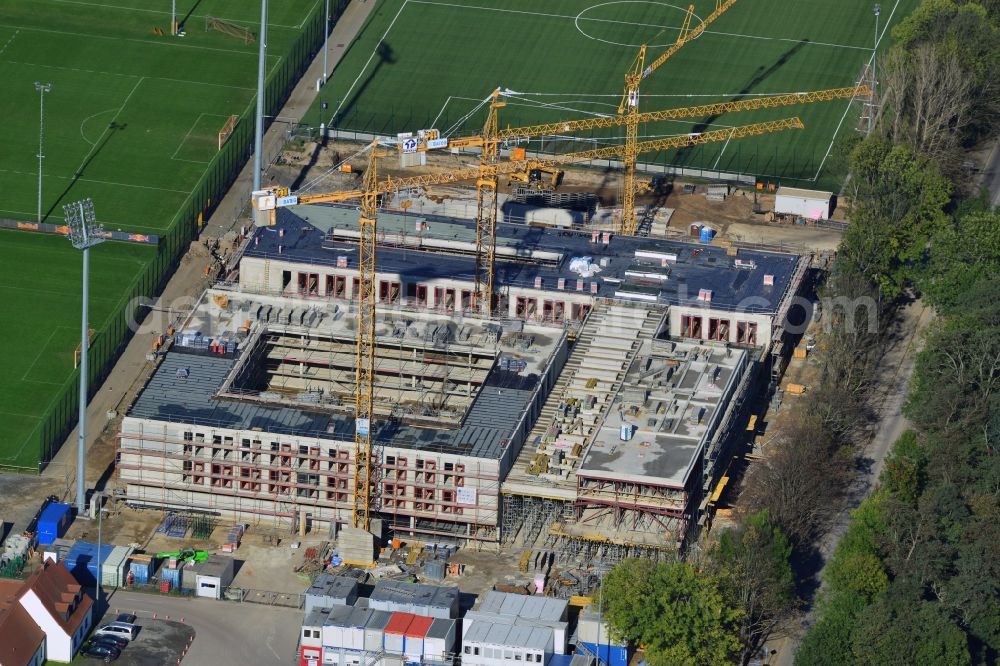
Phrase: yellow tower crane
x=372 y=188
x=629 y=105
x=492 y=137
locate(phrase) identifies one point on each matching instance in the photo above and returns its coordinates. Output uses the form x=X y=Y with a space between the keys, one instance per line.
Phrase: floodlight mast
x=84 y=233
x=258 y=140
x=42 y=88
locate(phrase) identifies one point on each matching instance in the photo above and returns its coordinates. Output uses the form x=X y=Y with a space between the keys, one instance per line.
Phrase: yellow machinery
x=540 y=177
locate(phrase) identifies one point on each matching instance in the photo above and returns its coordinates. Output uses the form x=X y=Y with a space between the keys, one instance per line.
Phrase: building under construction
x=594 y=405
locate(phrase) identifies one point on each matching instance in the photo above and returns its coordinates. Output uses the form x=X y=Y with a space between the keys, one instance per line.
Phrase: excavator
x=538 y=176
x=184 y=554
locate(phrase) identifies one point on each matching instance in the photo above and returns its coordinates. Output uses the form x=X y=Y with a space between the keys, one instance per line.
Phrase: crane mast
x=486 y=211
x=629 y=105
x=365 y=346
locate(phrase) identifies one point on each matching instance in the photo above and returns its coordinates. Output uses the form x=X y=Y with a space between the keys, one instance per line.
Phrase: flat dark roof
x=301 y=233
x=189 y=397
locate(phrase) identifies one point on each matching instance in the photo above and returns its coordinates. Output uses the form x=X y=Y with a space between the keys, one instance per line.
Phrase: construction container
x=395 y=631
x=795 y=389
x=189 y=575
x=435 y=569
x=327 y=591
x=415 y=636
x=171 y=575
x=800 y=352
x=142 y=568
x=52 y=524
x=354 y=629
x=440 y=640
x=113 y=569
x=214 y=575
x=375 y=631
x=85 y=560
x=609 y=655
x=334 y=627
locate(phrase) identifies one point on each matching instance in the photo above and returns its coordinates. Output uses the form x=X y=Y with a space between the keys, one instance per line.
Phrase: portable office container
x=189 y=575
x=415 y=636
x=395 y=631
x=609 y=655
x=142 y=568
x=440 y=640
x=84 y=560
x=375 y=630
x=327 y=591
x=52 y=524
x=354 y=631
x=333 y=628
x=213 y=575
x=114 y=567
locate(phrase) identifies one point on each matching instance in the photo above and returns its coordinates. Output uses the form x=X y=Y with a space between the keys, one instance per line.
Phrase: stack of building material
x=356 y=546
x=113 y=569
x=233 y=538
x=58 y=549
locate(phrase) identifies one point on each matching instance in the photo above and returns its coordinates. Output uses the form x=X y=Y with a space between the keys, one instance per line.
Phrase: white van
x=119 y=629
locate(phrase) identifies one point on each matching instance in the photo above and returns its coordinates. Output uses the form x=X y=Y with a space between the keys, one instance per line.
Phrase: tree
x=752 y=563
x=898 y=204
x=800 y=483
x=678 y=614
x=964 y=257
x=828 y=641
x=901 y=631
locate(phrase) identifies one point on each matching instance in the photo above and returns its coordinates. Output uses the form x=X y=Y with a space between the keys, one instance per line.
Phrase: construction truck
x=184 y=554
x=657 y=185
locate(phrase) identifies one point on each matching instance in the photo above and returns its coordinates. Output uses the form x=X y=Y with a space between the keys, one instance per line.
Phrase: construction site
x=538 y=366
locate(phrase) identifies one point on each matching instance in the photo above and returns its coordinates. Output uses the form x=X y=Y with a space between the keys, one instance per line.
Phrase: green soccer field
x=423 y=63
x=132 y=121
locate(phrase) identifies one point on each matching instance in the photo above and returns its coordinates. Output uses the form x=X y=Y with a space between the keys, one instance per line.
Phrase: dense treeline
x=916 y=578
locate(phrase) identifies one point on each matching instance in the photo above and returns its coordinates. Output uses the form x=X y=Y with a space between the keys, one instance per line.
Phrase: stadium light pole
x=173 y=17
x=258 y=140
x=84 y=233
x=326 y=41
x=42 y=88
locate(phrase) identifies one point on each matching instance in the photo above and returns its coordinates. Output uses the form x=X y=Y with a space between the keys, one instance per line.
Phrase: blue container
x=52 y=524
x=171 y=575
x=707 y=234
x=142 y=571
x=84 y=561
x=611 y=655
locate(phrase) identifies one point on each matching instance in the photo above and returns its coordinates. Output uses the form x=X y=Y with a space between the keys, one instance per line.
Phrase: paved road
x=226 y=633
x=897 y=368
x=991 y=175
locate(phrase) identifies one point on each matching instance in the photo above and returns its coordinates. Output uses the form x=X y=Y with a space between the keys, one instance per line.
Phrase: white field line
x=176 y=45
x=188 y=133
x=135 y=76
x=7 y=43
x=85 y=120
x=721 y=152
x=165 y=12
x=847 y=109
x=110 y=123
x=629 y=23
x=90 y=180
x=369 y=61
x=41 y=349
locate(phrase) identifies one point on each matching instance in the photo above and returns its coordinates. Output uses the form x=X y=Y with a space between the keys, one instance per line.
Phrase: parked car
x=119 y=629
x=127 y=618
x=108 y=639
x=106 y=653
